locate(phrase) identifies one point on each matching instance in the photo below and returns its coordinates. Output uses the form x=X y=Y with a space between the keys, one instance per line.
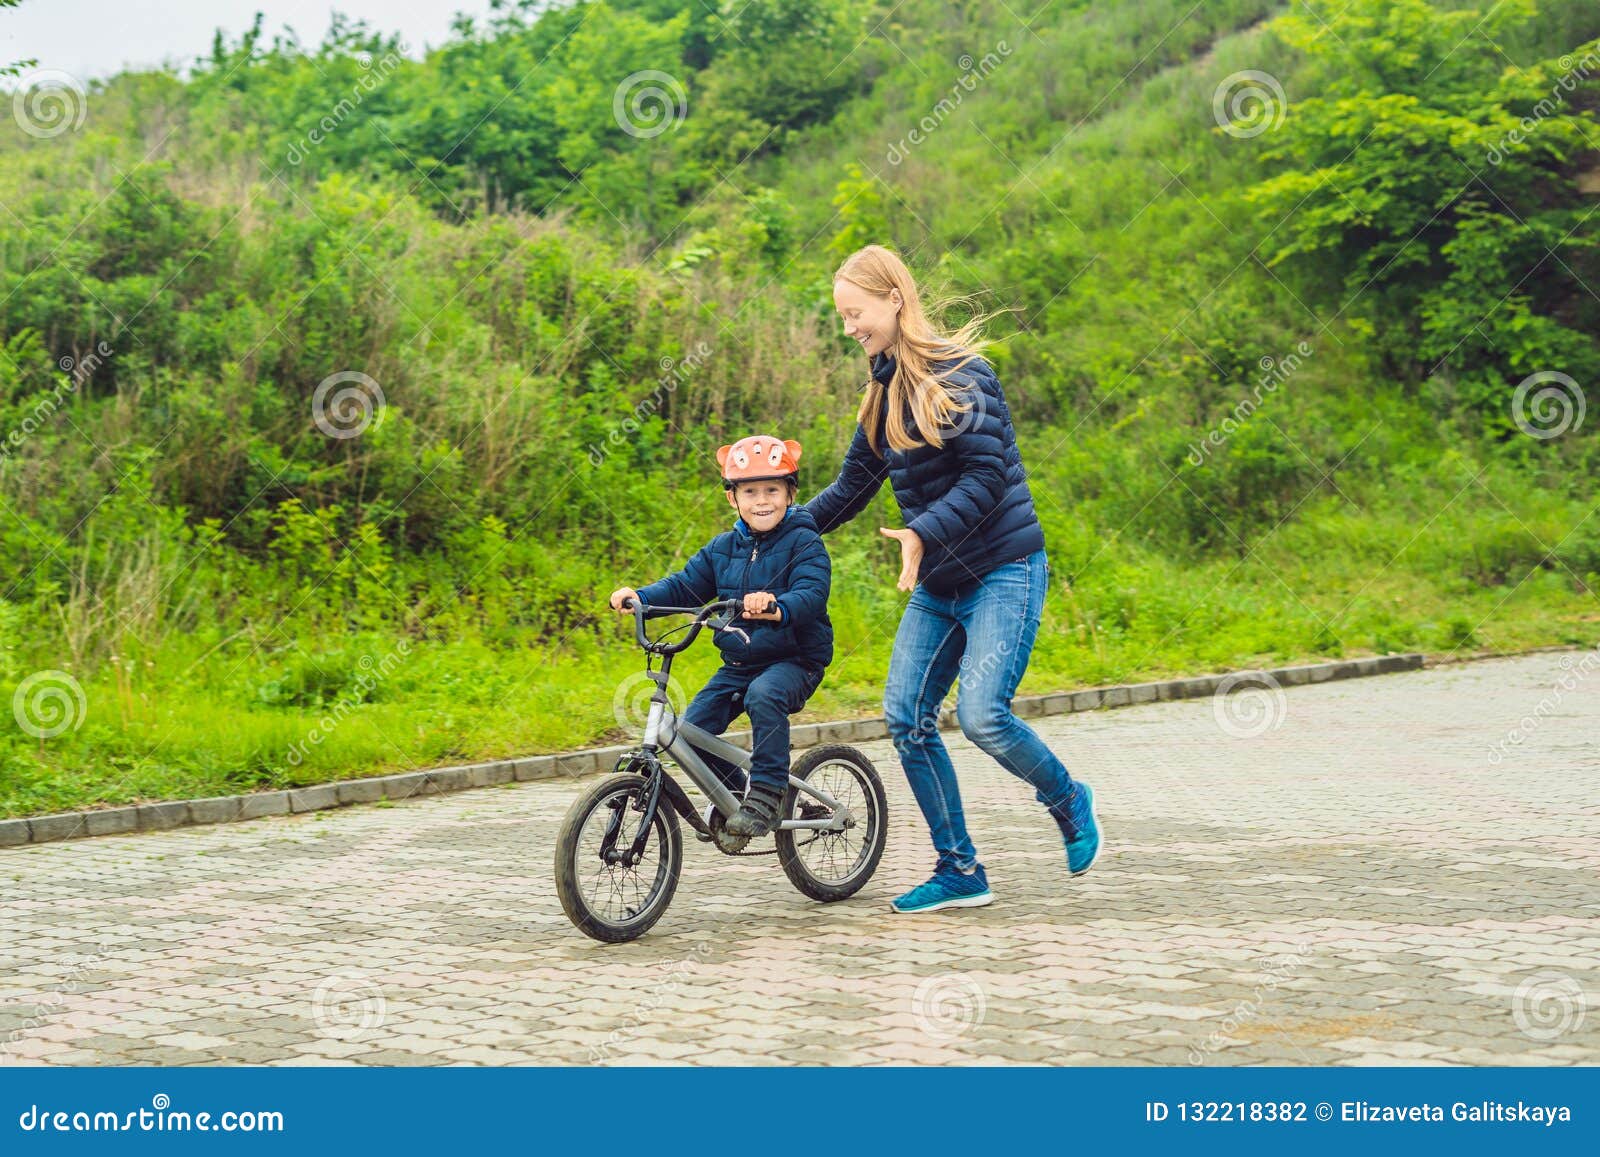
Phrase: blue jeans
x=769 y=695
x=985 y=635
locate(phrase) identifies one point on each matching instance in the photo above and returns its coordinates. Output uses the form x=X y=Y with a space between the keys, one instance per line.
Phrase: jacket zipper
x=745 y=579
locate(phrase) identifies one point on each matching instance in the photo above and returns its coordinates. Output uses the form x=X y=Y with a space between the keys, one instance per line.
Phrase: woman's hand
x=910 y=556
x=762 y=605
x=621 y=595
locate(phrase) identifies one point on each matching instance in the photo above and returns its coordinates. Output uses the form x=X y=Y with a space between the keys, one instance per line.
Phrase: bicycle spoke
x=617 y=893
x=833 y=857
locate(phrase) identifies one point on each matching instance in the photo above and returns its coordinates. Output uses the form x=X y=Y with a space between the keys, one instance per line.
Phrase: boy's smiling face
x=761 y=504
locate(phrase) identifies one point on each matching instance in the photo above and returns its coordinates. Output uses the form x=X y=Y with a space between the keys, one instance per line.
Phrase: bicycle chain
x=774 y=851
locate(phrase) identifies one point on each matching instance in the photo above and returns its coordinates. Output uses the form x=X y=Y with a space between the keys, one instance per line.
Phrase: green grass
x=1333 y=583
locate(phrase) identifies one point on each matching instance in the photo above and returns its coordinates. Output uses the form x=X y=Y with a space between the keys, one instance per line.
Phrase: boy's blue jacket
x=790 y=561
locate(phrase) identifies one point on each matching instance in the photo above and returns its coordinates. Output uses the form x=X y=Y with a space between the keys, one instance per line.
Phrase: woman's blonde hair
x=917 y=385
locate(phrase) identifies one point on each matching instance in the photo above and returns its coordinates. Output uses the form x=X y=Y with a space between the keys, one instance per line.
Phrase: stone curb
x=226 y=809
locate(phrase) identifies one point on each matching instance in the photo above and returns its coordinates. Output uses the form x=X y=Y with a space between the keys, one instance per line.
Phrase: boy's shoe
x=758 y=815
x=949 y=888
x=1080 y=829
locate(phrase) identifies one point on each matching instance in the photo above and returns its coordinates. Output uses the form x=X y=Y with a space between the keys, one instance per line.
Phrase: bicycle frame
x=684 y=741
x=664 y=731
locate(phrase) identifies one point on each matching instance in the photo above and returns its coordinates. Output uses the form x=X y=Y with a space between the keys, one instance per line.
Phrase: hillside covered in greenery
x=337 y=387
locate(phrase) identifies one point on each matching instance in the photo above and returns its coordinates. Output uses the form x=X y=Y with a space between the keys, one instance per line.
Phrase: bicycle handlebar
x=701 y=615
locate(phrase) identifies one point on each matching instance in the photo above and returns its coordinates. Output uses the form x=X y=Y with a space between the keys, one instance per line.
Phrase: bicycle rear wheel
x=831 y=866
x=616 y=902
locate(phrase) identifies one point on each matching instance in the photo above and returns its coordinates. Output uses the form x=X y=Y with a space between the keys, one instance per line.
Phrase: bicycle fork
x=653 y=773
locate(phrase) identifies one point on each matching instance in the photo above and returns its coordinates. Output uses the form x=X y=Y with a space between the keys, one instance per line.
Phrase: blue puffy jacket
x=790 y=561
x=968 y=501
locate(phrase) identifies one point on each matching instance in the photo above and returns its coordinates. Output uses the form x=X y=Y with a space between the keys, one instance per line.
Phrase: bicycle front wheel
x=614 y=902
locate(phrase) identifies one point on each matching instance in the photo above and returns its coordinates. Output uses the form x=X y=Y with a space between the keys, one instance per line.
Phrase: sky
x=92 y=39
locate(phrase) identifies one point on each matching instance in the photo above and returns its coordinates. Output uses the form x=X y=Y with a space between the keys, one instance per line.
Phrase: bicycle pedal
x=731 y=845
x=725 y=841
x=708 y=816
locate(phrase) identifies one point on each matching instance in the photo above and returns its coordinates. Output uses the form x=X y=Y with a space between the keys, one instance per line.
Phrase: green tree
x=1440 y=191
x=858 y=207
x=478 y=124
x=784 y=65
x=618 y=94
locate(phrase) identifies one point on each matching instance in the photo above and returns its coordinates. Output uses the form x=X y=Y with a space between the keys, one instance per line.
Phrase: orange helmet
x=758 y=458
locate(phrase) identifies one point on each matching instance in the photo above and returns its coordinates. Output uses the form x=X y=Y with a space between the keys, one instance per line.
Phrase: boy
x=774 y=560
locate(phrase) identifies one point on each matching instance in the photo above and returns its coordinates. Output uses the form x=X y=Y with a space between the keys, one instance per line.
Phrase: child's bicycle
x=620 y=848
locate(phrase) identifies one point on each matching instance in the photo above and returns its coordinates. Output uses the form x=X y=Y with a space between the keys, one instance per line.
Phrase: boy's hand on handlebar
x=762 y=605
x=622 y=600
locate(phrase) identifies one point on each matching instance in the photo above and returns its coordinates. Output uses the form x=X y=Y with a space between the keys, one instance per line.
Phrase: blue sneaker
x=1080 y=829
x=949 y=888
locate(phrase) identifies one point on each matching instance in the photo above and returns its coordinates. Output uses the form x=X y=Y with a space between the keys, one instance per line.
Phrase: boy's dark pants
x=768 y=695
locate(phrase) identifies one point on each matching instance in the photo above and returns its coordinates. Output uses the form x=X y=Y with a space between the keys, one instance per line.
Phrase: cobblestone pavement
x=1360 y=883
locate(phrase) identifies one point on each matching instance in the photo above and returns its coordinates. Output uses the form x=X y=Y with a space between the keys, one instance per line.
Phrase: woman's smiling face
x=872 y=321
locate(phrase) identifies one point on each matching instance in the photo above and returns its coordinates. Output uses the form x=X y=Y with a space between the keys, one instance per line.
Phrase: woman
x=934 y=422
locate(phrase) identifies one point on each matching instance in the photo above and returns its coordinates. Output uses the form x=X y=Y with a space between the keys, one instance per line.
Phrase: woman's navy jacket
x=968 y=501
